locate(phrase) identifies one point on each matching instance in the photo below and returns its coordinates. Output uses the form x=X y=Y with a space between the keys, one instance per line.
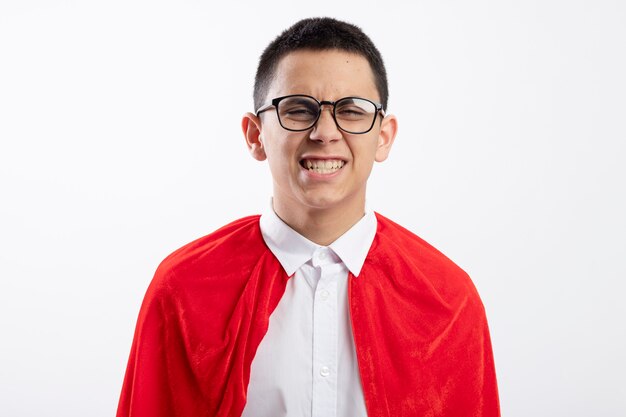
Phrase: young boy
x=319 y=307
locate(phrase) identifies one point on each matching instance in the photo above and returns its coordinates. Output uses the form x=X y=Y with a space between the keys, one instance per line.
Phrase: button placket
x=325 y=334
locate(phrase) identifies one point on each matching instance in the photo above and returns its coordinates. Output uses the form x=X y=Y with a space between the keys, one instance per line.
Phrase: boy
x=318 y=307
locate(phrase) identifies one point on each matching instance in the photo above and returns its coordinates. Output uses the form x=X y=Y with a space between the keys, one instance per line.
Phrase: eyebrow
x=299 y=99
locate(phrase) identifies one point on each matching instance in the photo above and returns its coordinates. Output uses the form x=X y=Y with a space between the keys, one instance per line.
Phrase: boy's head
x=319 y=118
x=319 y=34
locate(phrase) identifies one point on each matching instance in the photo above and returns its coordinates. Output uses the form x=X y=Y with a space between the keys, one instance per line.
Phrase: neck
x=320 y=225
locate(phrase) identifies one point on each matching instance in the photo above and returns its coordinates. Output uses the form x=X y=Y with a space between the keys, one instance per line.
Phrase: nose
x=325 y=130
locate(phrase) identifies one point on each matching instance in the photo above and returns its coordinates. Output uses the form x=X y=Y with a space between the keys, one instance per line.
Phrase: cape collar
x=294 y=250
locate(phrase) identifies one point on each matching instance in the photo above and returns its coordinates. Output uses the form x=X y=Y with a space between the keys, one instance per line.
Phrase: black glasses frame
x=277 y=100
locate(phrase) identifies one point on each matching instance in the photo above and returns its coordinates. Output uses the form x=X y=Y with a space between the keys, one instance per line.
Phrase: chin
x=321 y=202
x=319 y=198
x=330 y=199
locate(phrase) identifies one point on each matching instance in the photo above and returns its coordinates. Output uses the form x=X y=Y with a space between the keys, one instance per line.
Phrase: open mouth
x=322 y=166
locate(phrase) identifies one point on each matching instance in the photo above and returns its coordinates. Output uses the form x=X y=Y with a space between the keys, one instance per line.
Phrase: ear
x=386 y=136
x=251 y=126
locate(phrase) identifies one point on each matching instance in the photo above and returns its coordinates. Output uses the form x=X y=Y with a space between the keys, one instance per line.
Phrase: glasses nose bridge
x=331 y=107
x=329 y=104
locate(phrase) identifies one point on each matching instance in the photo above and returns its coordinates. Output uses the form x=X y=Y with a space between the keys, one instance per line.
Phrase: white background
x=120 y=141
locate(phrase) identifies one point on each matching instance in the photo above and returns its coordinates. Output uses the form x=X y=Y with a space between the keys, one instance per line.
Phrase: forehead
x=326 y=74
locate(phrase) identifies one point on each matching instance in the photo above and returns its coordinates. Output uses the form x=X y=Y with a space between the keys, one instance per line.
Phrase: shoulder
x=402 y=249
x=234 y=247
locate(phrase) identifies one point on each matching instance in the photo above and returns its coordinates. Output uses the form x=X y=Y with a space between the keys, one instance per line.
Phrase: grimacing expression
x=322 y=167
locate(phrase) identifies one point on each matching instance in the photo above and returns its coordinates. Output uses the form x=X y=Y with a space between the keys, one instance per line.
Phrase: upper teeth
x=323 y=166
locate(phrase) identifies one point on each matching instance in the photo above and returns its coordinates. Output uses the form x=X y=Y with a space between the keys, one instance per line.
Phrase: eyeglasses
x=299 y=112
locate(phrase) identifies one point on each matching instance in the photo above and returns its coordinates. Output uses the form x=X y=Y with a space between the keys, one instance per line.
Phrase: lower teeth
x=324 y=170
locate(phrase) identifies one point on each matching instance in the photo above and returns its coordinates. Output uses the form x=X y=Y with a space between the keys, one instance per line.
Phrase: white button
x=324 y=294
x=322 y=255
x=325 y=371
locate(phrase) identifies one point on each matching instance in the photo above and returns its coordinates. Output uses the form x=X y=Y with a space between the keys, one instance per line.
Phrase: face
x=323 y=167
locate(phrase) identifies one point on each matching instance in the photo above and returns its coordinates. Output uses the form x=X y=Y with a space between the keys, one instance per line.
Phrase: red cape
x=419 y=327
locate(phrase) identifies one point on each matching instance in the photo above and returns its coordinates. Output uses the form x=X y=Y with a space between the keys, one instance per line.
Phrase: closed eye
x=298 y=112
x=351 y=113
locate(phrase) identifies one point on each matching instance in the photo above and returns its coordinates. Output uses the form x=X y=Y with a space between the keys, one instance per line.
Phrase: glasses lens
x=355 y=115
x=298 y=112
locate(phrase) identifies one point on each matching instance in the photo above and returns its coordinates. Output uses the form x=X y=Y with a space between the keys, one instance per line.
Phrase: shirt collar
x=354 y=245
x=293 y=250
